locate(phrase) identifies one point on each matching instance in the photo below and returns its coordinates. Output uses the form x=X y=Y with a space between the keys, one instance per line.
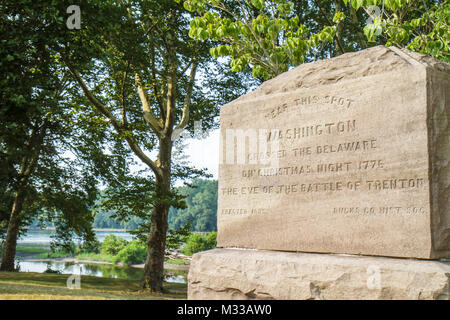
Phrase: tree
x=197 y=243
x=38 y=127
x=145 y=68
x=265 y=35
x=201 y=207
x=421 y=26
x=272 y=36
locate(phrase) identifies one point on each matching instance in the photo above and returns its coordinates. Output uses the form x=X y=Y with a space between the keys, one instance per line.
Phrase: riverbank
x=39 y=253
x=94 y=229
x=75 y=260
x=28 y=262
x=40 y=286
x=38 y=258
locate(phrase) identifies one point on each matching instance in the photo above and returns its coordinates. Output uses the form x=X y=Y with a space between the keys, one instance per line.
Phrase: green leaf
x=259 y=4
x=338 y=17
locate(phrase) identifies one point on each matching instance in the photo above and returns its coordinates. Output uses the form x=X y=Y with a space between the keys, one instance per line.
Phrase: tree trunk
x=340 y=27
x=26 y=169
x=9 y=246
x=360 y=35
x=156 y=241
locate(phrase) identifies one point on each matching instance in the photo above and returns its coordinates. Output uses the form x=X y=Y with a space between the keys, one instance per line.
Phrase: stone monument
x=334 y=183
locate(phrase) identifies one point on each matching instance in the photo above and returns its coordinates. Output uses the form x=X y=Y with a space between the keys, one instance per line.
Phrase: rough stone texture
x=439 y=151
x=254 y=274
x=391 y=103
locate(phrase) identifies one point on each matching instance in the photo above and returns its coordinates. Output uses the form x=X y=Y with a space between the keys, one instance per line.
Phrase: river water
x=42 y=238
x=96 y=270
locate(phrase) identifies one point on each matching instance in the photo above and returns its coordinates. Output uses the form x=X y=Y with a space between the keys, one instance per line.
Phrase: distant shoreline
x=112 y=230
x=75 y=260
x=95 y=229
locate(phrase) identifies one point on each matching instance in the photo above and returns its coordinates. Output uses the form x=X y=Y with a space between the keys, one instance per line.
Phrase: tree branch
x=171 y=85
x=124 y=110
x=100 y=106
x=275 y=67
x=116 y=124
x=338 y=36
x=37 y=145
x=187 y=100
x=148 y=113
x=360 y=35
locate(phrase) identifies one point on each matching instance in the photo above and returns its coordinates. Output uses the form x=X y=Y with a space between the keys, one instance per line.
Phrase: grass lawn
x=82 y=256
x=178 y=262
x=54 y=255
x=31 y=248
x=41 y=286
x=95 y=257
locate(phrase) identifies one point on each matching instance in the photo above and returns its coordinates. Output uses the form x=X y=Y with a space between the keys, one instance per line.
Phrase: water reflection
x=96 y=270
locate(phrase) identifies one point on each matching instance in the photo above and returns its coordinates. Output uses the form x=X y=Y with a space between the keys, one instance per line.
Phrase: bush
x=56 y=254
x=197 y=242
x=68 y=247
x=134 y=252
x=88 y=247
x=175 y=238
x=49 y=270
x=112 y=245
x=211 y=240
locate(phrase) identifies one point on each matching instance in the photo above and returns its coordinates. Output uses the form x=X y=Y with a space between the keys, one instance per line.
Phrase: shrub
x=175 y=238
x=197 y=242
x=49 y=270
x=134 y=252
x=88 y=247
x=211 y=240
x=56 y=254
x=67 y=247
x=112 y=245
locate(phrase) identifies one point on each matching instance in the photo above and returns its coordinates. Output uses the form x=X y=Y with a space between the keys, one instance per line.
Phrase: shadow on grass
x=29 y=285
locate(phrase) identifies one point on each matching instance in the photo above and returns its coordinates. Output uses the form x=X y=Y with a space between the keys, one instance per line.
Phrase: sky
x=204 y=153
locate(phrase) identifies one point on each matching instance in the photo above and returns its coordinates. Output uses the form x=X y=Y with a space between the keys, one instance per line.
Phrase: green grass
x=28 y=285
x=56 y=254
x=31 y=250
x=178 y=262
x=81 y=256
x=95 y=257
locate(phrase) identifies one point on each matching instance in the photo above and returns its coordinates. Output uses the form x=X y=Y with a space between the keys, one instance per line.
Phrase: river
x=42 y=238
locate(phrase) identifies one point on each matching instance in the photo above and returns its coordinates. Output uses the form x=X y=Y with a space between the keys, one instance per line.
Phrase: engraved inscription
x=312 y=130
x=378 y=210
x=329 y=186
x=309 y=101
x=342 y=163
x=319 y=168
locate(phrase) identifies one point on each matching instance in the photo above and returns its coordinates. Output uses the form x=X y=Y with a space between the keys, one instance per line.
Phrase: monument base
x=255 y=274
